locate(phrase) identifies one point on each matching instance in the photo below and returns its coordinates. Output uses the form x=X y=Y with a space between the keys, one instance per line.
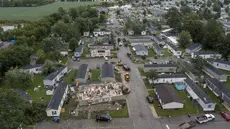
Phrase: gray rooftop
x=173 y=46
x=79 y=48
x=194 y=46
x=206 y=53
x=157 y=47
x=213 y=69
x=55 y=73
x=82 y=71
x=140 y=47
x=167 y=94
x=57 y=97
x=199 y=92
x=159 y=65
x=32 y=66
x=107 y=71
x=159 y=39
x=222 y=62
x=176 y=75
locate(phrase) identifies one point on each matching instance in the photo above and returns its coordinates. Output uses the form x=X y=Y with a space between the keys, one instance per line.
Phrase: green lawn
x=118 y=77
x=119 y=113
x=86 y=49
x=147 y=84
x=36 y=95
x=96 y=73
x=219 y=105
x=189 y=107
x=151 y=53
x=141 y=71
x=167 y=53
x=225 y=71
x=227 y=83
x=70 y=77
x=35 y=13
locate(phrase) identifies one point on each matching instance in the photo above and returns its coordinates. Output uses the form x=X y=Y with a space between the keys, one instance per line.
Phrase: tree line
x=24 y=3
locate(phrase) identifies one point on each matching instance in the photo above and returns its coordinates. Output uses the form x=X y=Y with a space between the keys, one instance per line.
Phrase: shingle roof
x=158 y=38
x=55 y=73
x=33 y=66
x=213 y=69
x=205 y=53
x=79 y=48
x=172 y=76
x=107 y=71
x=82 y=71
x=159 y=65
x=199 y=92
x=194 y=46
x=23 y=94
x=167 y=94
x=57 y=97
x=140 y=47
x=157 y=47
x=222 y=62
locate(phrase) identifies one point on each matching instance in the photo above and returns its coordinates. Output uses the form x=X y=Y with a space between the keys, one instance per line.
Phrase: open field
x=35 y=13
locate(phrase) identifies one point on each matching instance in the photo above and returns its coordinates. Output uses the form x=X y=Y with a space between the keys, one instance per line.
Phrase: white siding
x=142 y=53
x=49 y=82
x=168 y=80
x=221 y=66
x=95 y=53
x=173 y=105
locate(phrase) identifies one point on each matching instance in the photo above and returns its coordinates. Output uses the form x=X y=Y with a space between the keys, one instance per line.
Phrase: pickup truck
x=187 y=125
x=205 y=118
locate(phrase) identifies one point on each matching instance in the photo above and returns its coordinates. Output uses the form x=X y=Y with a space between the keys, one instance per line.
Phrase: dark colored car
x=126 y=68
x=128 y=54
x=103 y=118
x=149 y=99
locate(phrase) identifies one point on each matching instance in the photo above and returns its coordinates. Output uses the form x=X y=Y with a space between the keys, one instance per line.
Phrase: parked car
x=149 y=99
x=126 y=68
x=103 y=118
x=205 y=118
x=225 y=115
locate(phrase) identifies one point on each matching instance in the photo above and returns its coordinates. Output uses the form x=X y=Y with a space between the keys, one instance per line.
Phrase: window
x=54 y=112
x=209 y=106
x=217 y=64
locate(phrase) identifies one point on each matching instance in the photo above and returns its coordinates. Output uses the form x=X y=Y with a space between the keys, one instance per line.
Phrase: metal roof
x=206 y=53
x=159 y=39
x=82 y=71
x=167 y=94
x=176 y=75
x=194 y=46
x=213 y=69
x=173 y=46
x=157 y=47
x=79 y=48
x=222 y=62
x=107 y=71
x=159 y=65
x=140 y=47
x=199 y=92
x=55 y=73
x=57 y=97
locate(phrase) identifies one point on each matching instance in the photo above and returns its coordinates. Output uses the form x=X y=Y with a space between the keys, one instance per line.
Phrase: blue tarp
x=13 y=41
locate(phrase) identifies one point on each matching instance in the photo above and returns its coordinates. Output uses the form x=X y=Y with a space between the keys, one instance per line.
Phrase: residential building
x=101 y=46
x=161 y=68
x=53 y=78
x=107 y=73
x=78 y=51
x=34 y=69
x=82 y=74
x=169 y=78
x=101 y=33
x=192 y=73
x=140 y=50
x=25 y=95
x=143 y=32
x=145 y=40
x=221 y=64
x=168 y=98
x=158 y=50
x=100 y=53
x=206 y=55
x=195 y=47
x=172 y=40
x=55 y=104
x=173 y=49
x=219 y=89
x=130 y=32
x=195 y=93
x=49 y=91
x=214 y=72
x=158 y=40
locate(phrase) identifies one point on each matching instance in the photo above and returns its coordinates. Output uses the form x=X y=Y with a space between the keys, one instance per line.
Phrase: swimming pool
x=179 y=86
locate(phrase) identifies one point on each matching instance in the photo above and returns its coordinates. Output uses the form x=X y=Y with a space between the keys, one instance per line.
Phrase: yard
x=118 y=77
x=151 y=53
x=35 y=13
x=69 y=78
x=147 y=84
x=227 y=83
x=95 y=75
x=141 y=71
x=225 y=71
x=189 y=107
x=167 y=53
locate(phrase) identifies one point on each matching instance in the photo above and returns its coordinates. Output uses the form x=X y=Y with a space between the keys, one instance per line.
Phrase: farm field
x=35 y=13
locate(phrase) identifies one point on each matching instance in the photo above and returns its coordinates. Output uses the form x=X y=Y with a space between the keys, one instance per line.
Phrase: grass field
x=95 y=75
x=35 y=13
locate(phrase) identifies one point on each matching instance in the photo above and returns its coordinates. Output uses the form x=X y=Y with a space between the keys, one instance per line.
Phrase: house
x=158 y=40
x=34 y=69
x=140 y=50
x=100 y=53
x=161 y=68
x=107 y=73
x=25 y=95
x=101 y=33
x=78 y=51
x=55 y=104
x=86 y=34
x=173 y=49
x=130 y=32
x=193 y=48
x=169 y=78
x=221 y=64
x=49 y=91
x=53 y=78
x=82 y=74
x=145 y=40
x=193 y=73
x=143 y=32
x=101 y=46
x=206 y=55
x=167 y=97
x=158 y=50
x=172 y=40
x=214 y=72
x=195 y=93
x=33 y=59
x=219 y=89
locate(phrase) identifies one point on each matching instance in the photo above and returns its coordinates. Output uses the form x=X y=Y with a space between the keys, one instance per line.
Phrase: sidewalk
x=154 y=111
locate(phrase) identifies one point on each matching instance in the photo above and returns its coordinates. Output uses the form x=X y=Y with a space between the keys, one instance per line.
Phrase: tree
x=52 y=44
x=174 y=18
x=184 y=39
x=194 y=1
x=225 y=48
x=118 y=12
x=73 y=13
x=66 y=18
x=41 y=56
x=198 y=62
x=1 y=33
x=12 y=109
x=18 y=78
x=226 y=2
x=207 y=14
x=102 y=18
x=61 y=11
x=185 y=9
x=209 y=3
x=151 y=74
x=216 y=7
x=73 y=44
x=48 y=67
x=227 y=9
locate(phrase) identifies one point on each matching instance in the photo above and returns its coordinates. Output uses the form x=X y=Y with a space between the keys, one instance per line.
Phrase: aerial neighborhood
x=158 y=64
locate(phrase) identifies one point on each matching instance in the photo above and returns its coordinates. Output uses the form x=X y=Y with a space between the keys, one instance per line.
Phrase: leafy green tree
x=185 y=9
x=102 y=18
x=17 y=77
x=226 y=2
x=225 y=48
x=216 y=7
x=66 y=18
x=73 y=13
x=1 y=33
x=52 y=44
x=198 y=62
x=194 y=1
x=12 y=109
x=207 y=14
x=73 y=44
x=209 y=3
x=41 y=56
x=227 y=9
x=184 y=39
x=151 y=74
x=61 y=11
x=174 y=18
x=48 y=67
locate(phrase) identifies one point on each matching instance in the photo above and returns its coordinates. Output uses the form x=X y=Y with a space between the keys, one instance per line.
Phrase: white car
x=120 y=43
x=205 y=118
x=106 y=58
